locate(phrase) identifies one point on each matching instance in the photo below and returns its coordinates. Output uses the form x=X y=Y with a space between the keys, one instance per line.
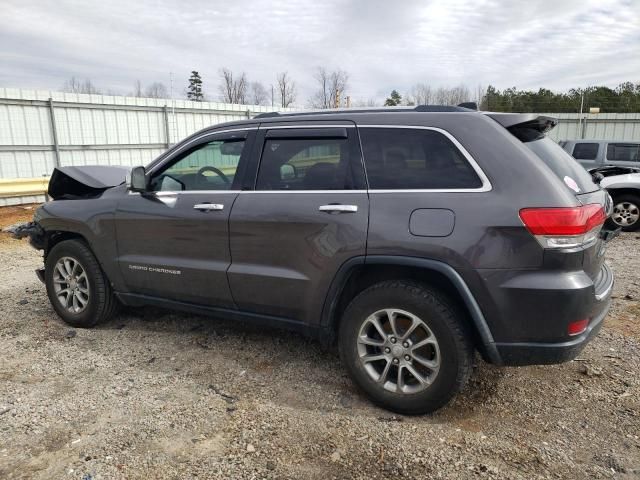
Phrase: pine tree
x=394 y=99
x=194 y=90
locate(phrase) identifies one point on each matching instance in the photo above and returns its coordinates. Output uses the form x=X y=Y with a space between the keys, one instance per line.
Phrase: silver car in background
x=598 y=153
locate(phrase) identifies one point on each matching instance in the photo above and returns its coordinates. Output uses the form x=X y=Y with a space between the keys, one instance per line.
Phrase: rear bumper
x=532 y=353
x=537 y=309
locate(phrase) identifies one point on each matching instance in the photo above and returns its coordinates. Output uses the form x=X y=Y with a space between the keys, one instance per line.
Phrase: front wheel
x=405 y=346
x=626 y=212
x=76 y=286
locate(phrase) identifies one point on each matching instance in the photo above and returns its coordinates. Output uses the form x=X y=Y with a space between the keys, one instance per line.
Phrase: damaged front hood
x=84 y=182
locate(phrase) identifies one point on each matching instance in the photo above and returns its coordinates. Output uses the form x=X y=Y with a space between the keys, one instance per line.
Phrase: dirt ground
x=163 y=395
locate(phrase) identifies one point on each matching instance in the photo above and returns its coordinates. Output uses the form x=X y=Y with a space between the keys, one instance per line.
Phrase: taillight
x=564 y=227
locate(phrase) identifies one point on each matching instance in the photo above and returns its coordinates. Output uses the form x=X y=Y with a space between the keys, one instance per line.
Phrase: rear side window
x=304 y=164
x=405 y=158
x=623 y=152
x=585 y=151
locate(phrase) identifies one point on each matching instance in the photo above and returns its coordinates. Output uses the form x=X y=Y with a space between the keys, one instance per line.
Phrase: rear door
x=306 y=216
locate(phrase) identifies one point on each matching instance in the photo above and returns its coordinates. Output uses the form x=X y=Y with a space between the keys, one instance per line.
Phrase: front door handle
x=338 y=208
x=208 y=206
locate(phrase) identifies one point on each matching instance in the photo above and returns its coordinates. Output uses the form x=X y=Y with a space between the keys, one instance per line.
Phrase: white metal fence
x=597 y=126
x=42 y=129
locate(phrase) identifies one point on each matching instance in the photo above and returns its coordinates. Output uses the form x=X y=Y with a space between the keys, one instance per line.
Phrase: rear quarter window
x=412 y=158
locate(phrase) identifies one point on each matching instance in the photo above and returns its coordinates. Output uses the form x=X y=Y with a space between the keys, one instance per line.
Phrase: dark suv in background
x=413 y=237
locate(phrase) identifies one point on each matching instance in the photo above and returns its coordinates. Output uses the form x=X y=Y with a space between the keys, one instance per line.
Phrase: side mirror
x=137 y=180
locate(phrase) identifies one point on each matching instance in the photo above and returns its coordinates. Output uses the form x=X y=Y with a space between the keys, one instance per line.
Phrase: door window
x=210 y=166
x=304 y=164
x=623 y=152
x=399 y=158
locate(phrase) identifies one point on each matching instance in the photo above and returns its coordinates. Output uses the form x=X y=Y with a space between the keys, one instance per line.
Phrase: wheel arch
x=359 y=273
x=54 y=237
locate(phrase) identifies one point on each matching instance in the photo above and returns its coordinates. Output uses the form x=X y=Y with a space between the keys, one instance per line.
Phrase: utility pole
x=173 y=107
x=580 y=118
x=337 y=99
x=272 y=95
x=348 y=101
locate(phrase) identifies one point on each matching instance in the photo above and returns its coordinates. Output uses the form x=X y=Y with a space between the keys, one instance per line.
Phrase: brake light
x=564 y=227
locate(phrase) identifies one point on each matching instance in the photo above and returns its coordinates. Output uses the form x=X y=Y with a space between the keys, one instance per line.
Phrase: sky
x=383 y=45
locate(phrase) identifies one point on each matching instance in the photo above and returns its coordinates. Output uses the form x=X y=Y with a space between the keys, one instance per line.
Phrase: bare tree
x=73 y=85
x=286 y=89
x=419 y=94
x=331 y=87
x=233 y=90
x=366 y=103
x=258 y=94
x=137 y=89
x=481 y=94
x=156 y=90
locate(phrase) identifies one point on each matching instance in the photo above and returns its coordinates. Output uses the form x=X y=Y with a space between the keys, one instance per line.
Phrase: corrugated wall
x=597 y=126
x=110 y=130
x=96 y=129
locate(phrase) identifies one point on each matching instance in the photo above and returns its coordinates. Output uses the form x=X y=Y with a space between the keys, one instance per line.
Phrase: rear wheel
x=405 y=346
x=77 y=288
x=626 y=212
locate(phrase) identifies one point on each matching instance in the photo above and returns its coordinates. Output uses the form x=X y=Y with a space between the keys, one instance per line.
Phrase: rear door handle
x=338 y=208
x=208 y=206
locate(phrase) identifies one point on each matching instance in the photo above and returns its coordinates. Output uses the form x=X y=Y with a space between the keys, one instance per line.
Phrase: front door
x=307 y=215
x=173 y=241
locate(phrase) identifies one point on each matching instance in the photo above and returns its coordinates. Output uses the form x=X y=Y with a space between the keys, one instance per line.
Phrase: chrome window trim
x=302 y=191
x=204 y=135
x=486 y=184
x=168 y=193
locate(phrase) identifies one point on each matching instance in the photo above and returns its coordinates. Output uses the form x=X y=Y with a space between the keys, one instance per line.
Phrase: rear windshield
x=572 y=174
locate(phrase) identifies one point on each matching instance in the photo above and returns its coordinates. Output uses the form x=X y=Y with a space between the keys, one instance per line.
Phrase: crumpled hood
x=85 y=182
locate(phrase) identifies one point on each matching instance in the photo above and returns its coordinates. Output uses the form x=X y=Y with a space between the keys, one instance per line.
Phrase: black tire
x=446 y=324
x=101 y=304
x=634 y=202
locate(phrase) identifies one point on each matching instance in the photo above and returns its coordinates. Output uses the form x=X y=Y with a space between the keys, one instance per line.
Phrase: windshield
x=576 y=178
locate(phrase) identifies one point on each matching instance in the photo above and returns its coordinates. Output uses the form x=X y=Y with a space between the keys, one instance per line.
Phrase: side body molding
x=452 y=275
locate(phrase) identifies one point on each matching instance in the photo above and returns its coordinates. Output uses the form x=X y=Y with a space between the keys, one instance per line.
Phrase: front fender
x=93 y=220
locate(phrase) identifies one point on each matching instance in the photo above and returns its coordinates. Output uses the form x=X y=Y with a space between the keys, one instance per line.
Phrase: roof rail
x=466 y=107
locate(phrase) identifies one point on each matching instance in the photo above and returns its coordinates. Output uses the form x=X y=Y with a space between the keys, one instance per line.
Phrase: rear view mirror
x=137 y=180
x=288 y=172
x=232 y=148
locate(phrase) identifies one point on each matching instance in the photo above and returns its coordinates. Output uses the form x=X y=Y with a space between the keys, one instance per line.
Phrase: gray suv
x=597 y=153
x=412 y=237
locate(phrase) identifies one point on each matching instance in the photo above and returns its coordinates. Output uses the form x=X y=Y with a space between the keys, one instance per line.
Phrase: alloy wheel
x=398 y=351
x=70 y=284
x=625 y=214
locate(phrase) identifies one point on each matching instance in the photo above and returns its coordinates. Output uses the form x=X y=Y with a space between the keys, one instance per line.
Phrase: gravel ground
x=157 y=394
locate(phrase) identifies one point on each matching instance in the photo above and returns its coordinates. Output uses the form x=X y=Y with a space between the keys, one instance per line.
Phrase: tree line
x=332 y=90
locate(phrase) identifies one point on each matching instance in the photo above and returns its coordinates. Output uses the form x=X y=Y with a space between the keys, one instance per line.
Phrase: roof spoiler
x=469 y=105
x=525 y=121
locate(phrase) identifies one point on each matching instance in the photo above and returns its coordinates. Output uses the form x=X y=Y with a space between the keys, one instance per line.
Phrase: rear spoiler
x=525 y=126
